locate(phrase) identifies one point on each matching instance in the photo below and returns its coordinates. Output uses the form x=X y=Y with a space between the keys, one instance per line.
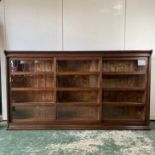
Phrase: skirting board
x=152 y=117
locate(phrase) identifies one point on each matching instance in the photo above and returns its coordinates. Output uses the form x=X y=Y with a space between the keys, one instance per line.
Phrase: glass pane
x=119 y=96
x=29 y=96
x=124 y=112
x=31 y=66
x=90 y=96
x=77 y=113
x=77 y=81
x=77 y=66
x=36 y=113
x=124 y=81
x=35 y=81
x=124 y=66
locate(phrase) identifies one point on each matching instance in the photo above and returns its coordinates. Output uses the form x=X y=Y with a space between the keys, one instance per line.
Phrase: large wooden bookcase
x=78 y=90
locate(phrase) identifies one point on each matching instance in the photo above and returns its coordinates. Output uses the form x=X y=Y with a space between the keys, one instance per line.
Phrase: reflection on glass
x=31 y=66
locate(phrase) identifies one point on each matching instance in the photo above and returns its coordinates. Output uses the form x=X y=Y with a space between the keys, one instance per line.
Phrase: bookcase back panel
x=32 y=96
x=124 y=81
x=77 y=96
x=124 y=96
x=32 y=81
x=78 y=81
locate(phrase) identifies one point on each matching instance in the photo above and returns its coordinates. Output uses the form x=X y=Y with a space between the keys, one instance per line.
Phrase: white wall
x=152 y=110
x=1 y=26
x=78 y=25
x=140 y=24
x=32 y=24
x=93 y=24
x=3 y=70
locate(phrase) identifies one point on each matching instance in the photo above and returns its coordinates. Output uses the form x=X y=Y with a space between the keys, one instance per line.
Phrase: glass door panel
x=78 y=81
x=32 y=89
x=77 y=113
x=120 y=65
x=32 y=81
x=78 y=66
x=31 y=66
x=115 y=112
x=124 y=82
x=36 y=113
x=31 y=76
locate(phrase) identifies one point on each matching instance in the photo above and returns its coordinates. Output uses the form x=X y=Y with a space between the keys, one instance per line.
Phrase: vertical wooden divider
x=55 y=85
x=100 y=89
x=9 y=93
x=147 y=91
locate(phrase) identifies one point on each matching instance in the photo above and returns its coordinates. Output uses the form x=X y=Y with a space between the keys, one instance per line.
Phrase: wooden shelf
x=32 y=120
x=77 y=89
x=122 y=120
x=77 y=73
x=123 y=103
x=125 y=89
x=25 y=104
x=32 y=89
x=31 y=73
x=78 y=104
x=59 y=59
x=123 y=73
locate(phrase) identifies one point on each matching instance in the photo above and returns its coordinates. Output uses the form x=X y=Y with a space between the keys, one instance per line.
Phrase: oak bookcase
x=78 y=89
